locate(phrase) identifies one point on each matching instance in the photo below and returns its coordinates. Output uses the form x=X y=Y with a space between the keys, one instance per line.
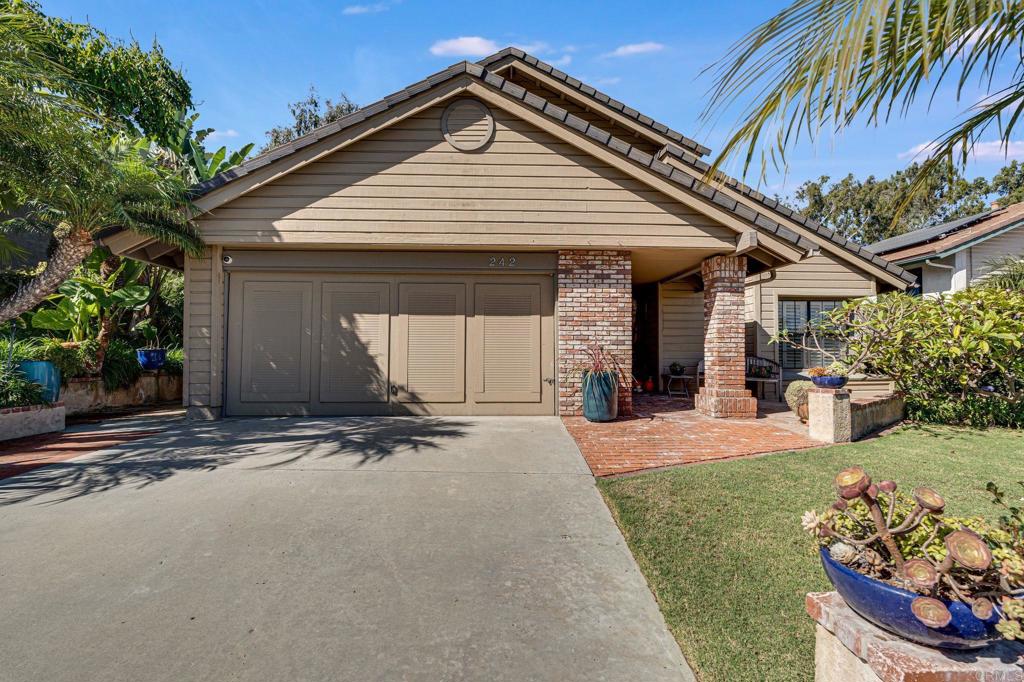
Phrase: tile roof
x=763 y=220
x=598 y=96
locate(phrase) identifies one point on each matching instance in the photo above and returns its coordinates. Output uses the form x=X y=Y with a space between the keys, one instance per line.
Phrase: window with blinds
x=794 y=315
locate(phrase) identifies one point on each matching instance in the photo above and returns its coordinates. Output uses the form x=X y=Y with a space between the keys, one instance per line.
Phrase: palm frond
x=821 y=65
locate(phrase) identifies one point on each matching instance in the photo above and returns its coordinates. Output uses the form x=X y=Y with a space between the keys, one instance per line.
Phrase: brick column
x=724 y=393
x=595 y=305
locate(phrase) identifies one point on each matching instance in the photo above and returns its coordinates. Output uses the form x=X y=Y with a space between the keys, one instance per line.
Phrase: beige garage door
x=323 y=344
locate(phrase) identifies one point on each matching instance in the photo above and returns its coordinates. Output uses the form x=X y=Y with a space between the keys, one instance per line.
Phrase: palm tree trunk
x=68 y=255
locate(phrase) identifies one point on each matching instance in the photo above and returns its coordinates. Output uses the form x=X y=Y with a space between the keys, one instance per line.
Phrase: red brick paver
x=25 y=454
x=668 y=432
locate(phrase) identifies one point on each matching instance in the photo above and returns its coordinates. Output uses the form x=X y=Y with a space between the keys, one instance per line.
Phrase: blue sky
x=246 y=59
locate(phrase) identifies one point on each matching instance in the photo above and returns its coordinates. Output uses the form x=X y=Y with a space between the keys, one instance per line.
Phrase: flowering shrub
x=956 y=359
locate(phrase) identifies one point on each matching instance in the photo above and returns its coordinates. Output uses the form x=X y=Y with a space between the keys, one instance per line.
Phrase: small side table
x=683 y=391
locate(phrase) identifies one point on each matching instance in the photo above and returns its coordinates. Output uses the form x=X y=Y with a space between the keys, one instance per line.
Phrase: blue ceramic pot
x=888 y=607
x=45 y=374
x=829 y=382
x=151 y=358
x=600 y=396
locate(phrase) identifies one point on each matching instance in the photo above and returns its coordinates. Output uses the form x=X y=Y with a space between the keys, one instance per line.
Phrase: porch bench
x=762 y=371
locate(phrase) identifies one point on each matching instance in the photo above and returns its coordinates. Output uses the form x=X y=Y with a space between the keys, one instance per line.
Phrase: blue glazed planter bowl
x=888 y=607
x=151 y=358
x=45 y=374
x=829 y=382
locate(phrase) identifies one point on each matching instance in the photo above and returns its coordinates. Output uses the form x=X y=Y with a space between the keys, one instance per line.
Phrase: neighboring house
x=949 y=257
x=452 y=248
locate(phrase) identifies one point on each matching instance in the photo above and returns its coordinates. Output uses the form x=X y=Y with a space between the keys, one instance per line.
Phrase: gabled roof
x=770 y=219
x=596 y=95
x=939 y=241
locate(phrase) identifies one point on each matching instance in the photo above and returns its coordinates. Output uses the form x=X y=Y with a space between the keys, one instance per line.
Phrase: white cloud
x=464 y=46
x=994 y=150
x=564 y=60
x=367 y=9
x=635 y=48
x=222 y=134
x=536 y=47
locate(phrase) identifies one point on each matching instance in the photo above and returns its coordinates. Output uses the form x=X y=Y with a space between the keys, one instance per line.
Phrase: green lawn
x=723 y=551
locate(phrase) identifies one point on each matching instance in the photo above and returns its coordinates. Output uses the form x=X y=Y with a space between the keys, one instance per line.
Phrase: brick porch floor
x=668 y=431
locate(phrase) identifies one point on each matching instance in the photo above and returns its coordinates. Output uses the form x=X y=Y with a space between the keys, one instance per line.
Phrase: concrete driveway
x=325 y=549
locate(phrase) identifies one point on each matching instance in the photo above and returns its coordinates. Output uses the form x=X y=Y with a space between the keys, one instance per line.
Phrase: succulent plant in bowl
x=900 y=562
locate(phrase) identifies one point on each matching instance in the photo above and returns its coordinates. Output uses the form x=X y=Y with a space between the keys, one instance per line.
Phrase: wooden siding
x=407 y=185
x=1007 y=244
x=682 y=325
x=204 y=315
x=818 y=277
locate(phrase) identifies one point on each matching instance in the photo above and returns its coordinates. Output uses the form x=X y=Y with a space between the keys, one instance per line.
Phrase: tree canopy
x=124 y=85
x=875 y=208
x=307 y=115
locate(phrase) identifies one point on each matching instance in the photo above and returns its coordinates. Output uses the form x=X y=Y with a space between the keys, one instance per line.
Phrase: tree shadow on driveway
x=259 y=443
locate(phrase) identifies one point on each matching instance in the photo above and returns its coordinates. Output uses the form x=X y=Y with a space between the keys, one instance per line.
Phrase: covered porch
x=696 y=317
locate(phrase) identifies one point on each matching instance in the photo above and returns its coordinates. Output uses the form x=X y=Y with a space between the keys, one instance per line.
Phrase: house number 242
x=502 y=262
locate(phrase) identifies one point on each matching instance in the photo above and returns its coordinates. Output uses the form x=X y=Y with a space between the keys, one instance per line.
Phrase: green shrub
x=16 y=390
x=121 y=366
x=175 y=364
x=957 y=359
x=796 y=393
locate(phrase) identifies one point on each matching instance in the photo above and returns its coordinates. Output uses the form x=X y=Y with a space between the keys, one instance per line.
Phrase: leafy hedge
x=957 y=359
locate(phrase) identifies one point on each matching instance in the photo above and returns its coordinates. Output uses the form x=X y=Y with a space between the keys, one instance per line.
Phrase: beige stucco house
x=452 y=248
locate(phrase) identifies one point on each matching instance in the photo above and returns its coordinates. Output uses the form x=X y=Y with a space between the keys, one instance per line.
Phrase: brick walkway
x=668 y=432
x=25 y=454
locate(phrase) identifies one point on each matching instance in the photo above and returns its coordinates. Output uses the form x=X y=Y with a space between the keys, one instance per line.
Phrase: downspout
x=944 y=266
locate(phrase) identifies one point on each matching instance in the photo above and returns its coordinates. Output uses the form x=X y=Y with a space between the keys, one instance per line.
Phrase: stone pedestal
x=828 y=415
x=850 y=649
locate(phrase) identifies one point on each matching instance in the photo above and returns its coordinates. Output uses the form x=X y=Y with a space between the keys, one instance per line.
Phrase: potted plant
x=833 y=376
x=675 y=369
x=599 y=378
x=902 y=564
x=41 y=372
x=796 y=398
x=152 y=356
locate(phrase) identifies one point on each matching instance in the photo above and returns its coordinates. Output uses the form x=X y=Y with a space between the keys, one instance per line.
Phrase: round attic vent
x=467 y=124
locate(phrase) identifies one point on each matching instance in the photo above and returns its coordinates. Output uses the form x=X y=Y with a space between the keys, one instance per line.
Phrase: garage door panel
x=275 y=343
x=506 y=343
x=354 y=343
x=430 y=358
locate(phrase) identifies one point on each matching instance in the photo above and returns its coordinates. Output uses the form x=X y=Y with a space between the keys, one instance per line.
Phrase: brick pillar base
x=595 y=305
x=724 y=393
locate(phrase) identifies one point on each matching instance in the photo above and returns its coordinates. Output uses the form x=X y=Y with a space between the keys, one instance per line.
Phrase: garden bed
x=82 y=395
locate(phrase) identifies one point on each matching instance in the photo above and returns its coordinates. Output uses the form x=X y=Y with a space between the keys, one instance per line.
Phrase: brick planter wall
x=595 y=305
x=724 y=393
